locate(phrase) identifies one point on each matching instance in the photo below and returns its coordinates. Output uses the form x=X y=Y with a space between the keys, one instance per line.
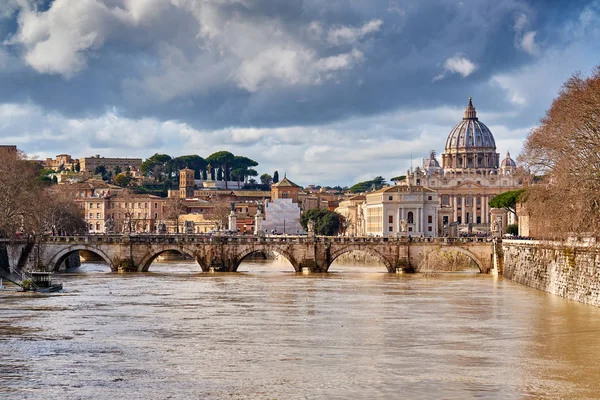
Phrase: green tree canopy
x=275 y=176
x=223 y=160
x=148 y=165
x=122 y=179
x=507 y=200
x=360 y=187
x=241 y=168
x=193 y=161
x=266 y=179
x=327 y=223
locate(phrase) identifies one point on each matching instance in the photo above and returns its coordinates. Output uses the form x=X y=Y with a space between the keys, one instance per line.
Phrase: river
x=268 y=333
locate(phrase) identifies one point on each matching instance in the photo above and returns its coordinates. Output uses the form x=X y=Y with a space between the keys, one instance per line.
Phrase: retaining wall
x=566 y=269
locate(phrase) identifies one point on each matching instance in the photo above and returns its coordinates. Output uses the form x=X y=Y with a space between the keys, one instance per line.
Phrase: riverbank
x=566 y=269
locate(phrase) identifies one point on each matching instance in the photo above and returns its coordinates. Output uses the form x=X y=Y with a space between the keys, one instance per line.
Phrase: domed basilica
x=447 y=199
x=470 y=174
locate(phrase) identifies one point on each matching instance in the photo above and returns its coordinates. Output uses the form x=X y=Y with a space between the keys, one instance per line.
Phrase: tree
x=507 y=200
x=117 y=170
x=327 y=223
x=174 y=207
x=398 y=178
x=376 y=183
x=565 y=151
x=123 y=179
x=219 y=214
x=266 y=179
x=241 y=168
x=192 y=161
x=222 y=160
x=220 y=175
x=77 y=166
x=275 y=176
x=204 y=175
x=19 y=193
x=100 y=170
x=148 y=166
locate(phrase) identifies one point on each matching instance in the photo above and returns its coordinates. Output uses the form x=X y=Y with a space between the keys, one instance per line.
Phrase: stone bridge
x=135 y=253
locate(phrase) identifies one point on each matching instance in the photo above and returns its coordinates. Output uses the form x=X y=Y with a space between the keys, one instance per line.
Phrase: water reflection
x=270 y=333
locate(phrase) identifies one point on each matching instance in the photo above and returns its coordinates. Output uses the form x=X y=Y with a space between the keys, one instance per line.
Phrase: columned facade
x=470 y=175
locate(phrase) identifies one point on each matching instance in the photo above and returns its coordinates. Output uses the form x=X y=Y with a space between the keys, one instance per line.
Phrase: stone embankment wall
x=567 y=269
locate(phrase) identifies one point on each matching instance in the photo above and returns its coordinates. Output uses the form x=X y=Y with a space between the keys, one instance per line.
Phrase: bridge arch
x=365 y=249
x=245 y=253
x=148 y=259
x=57 y=260
x=456 y=249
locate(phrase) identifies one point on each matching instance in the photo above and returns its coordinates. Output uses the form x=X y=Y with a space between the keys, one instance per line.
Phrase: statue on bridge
x=403 y=225
x=109 y=225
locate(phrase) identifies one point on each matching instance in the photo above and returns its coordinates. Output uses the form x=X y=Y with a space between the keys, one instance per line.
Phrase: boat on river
x=42 y=282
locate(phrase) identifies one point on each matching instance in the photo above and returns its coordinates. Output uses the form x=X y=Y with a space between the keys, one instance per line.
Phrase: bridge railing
x=205 y=238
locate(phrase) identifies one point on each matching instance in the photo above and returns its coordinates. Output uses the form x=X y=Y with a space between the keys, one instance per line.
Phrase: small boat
x=42 y=282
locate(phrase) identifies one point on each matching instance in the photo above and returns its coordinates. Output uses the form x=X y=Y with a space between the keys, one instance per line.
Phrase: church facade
x=447 y=198
x=470 y=175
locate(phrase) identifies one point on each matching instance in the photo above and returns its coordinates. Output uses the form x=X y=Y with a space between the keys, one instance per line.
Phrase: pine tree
x=275 y=177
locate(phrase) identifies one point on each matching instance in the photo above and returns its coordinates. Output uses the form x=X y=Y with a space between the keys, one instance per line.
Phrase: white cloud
x=349 y=35
x=525 y=40
x=340 y=153
x=457 y=64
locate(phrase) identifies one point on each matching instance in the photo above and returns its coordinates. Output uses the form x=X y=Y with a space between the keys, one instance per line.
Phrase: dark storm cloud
x=334 y=90
x=399 y=61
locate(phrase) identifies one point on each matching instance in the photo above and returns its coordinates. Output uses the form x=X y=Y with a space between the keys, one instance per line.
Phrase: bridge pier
x=124 y=266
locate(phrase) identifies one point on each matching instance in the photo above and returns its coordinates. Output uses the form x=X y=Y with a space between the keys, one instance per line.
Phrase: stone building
x=61 y=162
x=123 y=212
x=89 y=164
x=400 y=211
x=351 y=210
x=470 y=175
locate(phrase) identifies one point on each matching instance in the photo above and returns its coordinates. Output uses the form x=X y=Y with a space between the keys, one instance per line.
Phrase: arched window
x=410 y=217
x=98 y=226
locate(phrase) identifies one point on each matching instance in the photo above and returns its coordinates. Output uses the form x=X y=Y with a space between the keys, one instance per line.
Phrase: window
x=91 y=215
x=155 y=215
x=155 y=205
x=97 y=205
x=429 y=219
x=429 y=198
x=429 y=229
x=410 y=217
x=390 y=229
x=390 y=198
x=97 y=226
x=391 y=219
x=98 y=215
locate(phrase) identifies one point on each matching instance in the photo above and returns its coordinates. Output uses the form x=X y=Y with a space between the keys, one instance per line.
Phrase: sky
x=329 y=92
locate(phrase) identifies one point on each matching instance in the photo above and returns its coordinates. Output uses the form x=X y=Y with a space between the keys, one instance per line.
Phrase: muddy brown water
x=268 y=333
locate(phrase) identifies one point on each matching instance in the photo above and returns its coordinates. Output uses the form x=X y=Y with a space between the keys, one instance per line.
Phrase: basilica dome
x=508 y=162
x=470 y=145
x=470 y=132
